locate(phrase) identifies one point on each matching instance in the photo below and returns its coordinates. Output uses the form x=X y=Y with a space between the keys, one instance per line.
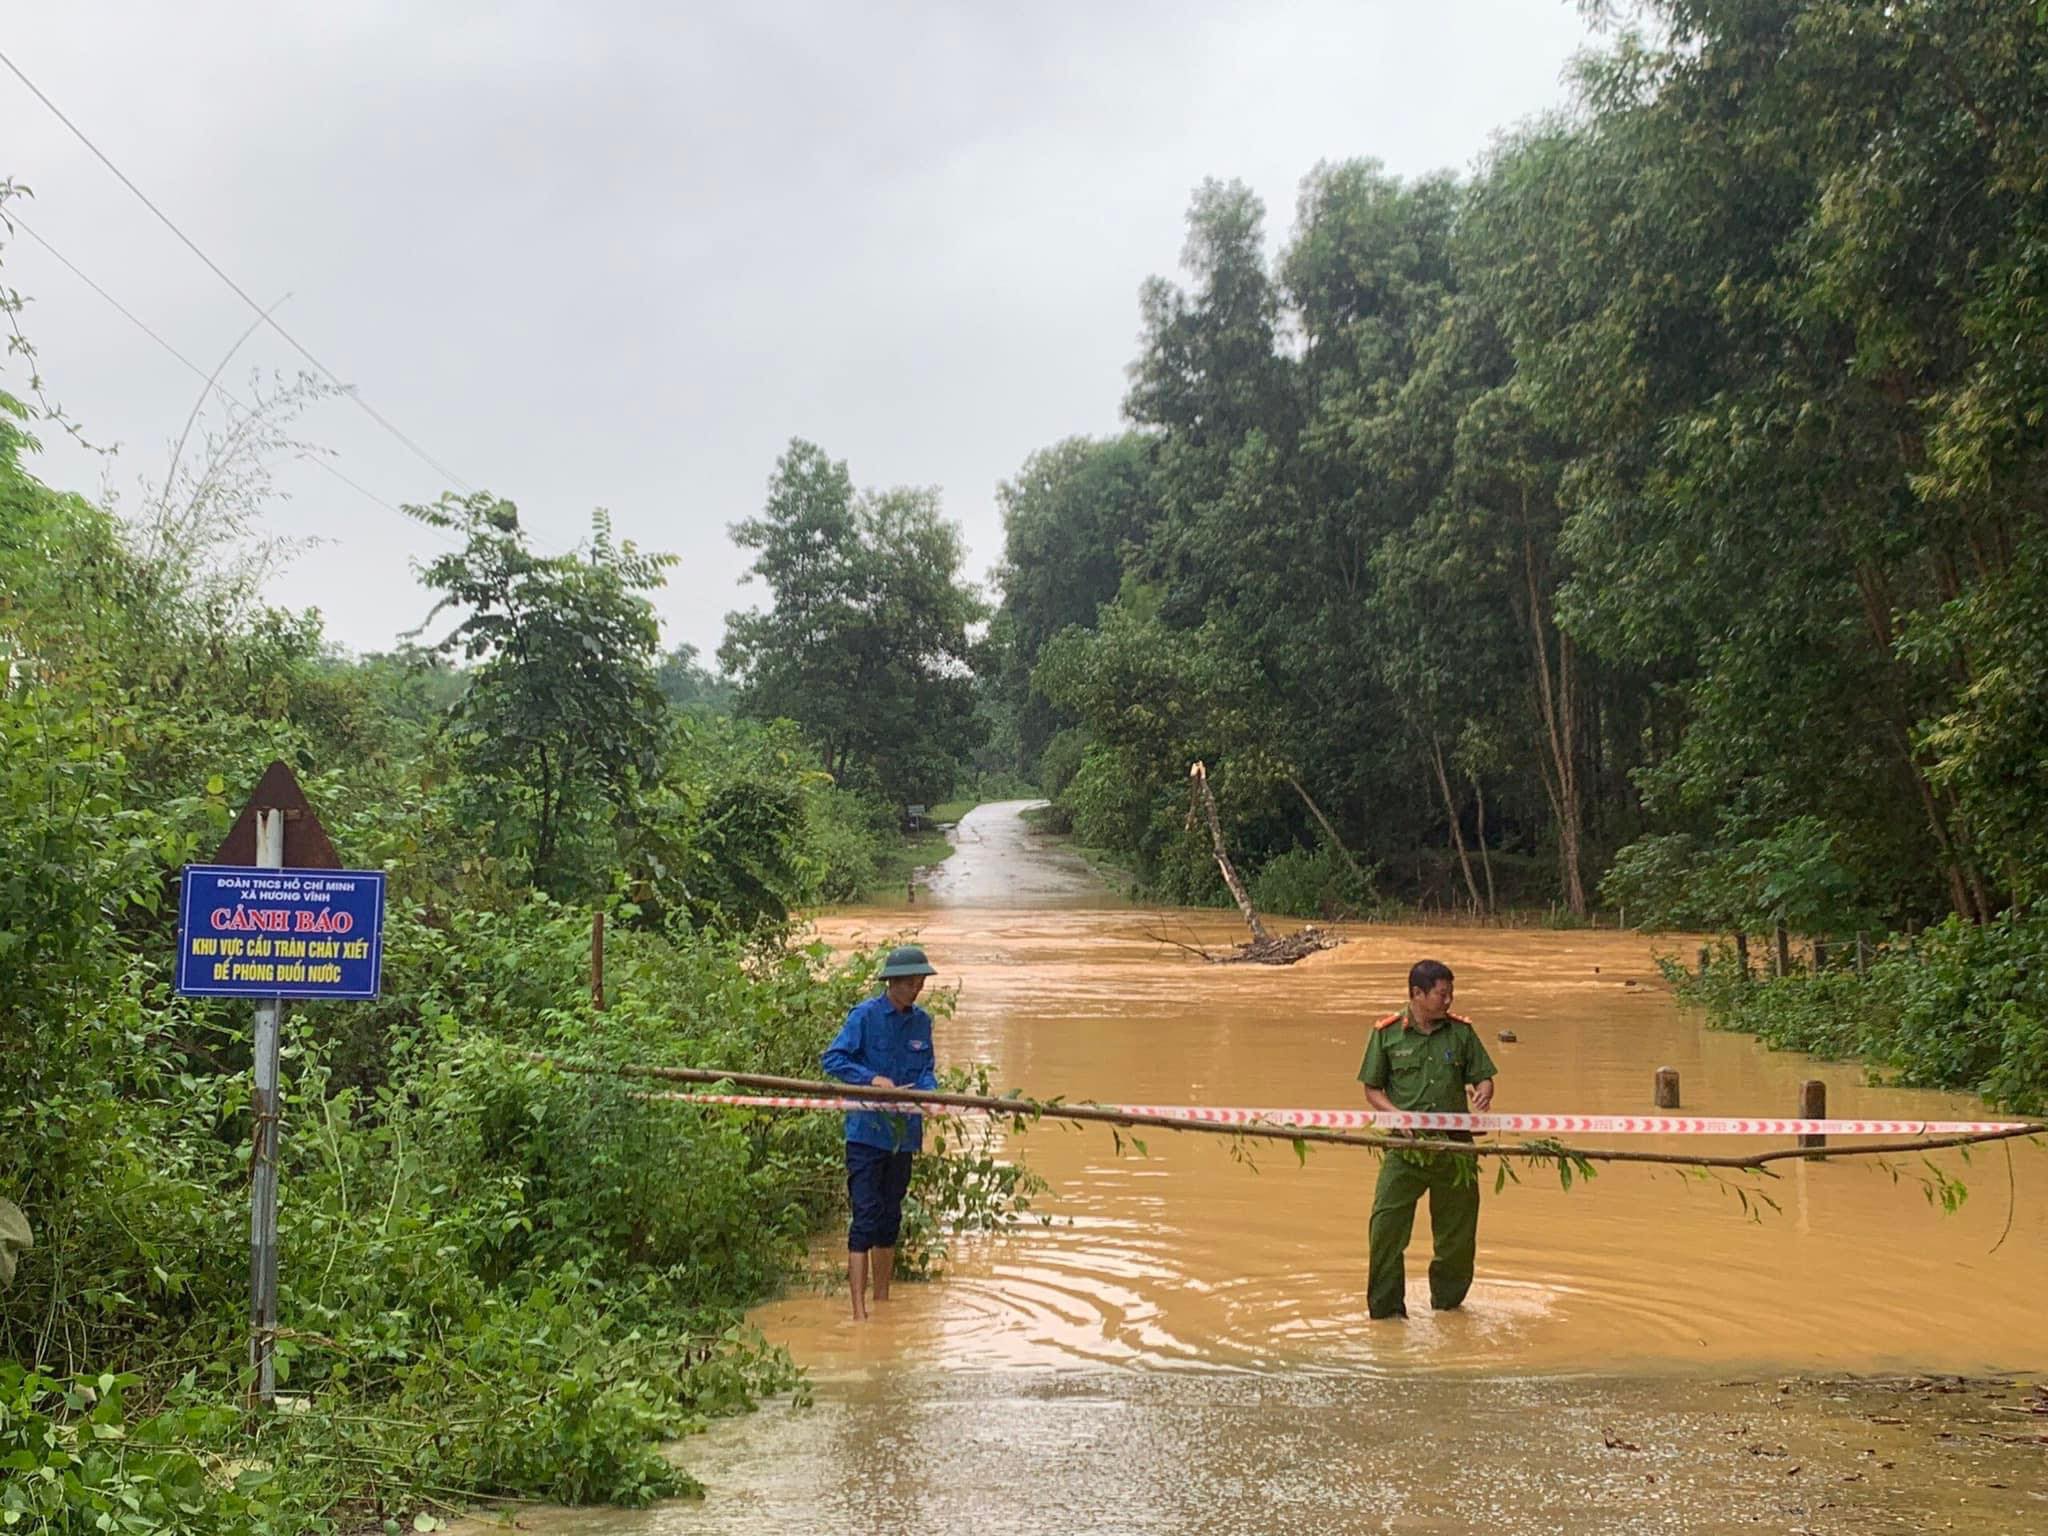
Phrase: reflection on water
x=1188 y=1255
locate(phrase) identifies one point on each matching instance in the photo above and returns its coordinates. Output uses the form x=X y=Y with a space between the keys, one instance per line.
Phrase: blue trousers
x=876 y=1182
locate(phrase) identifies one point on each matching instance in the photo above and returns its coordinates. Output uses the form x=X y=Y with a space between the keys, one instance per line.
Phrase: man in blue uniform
x=886 y=1042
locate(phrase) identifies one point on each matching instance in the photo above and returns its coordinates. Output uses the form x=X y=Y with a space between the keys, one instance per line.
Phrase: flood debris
x=1268 y=949
x=1263 y=948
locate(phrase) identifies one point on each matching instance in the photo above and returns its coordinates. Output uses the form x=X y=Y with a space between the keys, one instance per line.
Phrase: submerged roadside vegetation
x=1960 y=1006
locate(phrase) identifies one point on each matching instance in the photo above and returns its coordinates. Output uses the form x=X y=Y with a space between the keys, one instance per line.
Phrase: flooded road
x=1000 y=863
x=1183 y=1345
x=1187 y=1257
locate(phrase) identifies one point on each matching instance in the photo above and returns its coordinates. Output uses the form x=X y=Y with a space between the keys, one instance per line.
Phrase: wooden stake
x=597 y=961
x=1782 y=938
x=1813 y=1105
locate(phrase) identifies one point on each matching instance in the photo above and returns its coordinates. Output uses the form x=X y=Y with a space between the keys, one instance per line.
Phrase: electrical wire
x=213 y=266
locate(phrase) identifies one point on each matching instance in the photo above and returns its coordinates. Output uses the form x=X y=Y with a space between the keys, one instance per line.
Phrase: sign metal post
x=276 y=916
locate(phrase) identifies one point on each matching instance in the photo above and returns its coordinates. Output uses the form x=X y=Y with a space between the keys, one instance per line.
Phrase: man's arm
x=1479 y=1074
x=842 y=1057
x=1376 y=1074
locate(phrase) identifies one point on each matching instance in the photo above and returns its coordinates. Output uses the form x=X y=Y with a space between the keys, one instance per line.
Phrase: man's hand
x=1481 y=1096
x=879 y=1081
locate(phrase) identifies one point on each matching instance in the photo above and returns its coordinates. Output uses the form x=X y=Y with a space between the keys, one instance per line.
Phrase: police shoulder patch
x=1392 y=1018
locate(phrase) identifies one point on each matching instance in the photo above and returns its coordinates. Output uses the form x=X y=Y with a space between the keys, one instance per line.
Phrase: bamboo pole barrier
x=1096 y=1114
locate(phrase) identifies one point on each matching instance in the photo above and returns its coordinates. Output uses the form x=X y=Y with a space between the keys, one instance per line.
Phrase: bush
x=76 y=1464
x=1965 y=1006
x=1310 y=882
x=1060 y=761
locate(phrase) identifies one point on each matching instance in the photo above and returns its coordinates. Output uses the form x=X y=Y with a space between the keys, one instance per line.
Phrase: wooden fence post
x=1813 y=1105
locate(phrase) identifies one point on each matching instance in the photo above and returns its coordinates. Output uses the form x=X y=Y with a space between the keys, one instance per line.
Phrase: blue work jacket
x=877 y=1040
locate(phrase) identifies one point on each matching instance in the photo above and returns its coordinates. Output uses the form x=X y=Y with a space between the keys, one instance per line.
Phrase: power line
x=207 y=379
x=165 y=219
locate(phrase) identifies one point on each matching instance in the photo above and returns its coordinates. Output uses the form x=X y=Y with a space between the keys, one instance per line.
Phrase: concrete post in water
x=1667 y=1088
x=263 y=1108
x=1705 y=956
x=1813 y=1105
x=1742 y=955
x=1782 y=955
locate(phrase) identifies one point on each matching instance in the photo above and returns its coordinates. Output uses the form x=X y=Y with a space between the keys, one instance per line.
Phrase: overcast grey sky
x=615 y=254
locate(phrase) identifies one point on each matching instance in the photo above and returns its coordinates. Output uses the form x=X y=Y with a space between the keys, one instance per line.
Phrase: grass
x=911 y=852
x=952 y=810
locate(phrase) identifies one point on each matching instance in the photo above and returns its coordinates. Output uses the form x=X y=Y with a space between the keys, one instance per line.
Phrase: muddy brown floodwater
x=1184 y=1345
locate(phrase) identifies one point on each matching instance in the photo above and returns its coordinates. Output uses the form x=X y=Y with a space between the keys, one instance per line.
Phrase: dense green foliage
x=865 y=645
x=497 y=1277
x=1663 y=504
x=1962 y=1005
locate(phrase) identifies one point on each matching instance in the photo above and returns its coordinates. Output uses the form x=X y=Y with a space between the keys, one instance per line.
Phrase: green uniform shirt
x=1425 y=1072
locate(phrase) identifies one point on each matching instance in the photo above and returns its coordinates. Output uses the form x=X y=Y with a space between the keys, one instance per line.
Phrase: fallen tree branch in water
x=1057 y=1109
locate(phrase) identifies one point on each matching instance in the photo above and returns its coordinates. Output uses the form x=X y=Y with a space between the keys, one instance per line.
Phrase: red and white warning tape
x=1367 y=1119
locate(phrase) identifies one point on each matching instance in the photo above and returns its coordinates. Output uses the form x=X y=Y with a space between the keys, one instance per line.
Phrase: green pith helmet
x=907 y=961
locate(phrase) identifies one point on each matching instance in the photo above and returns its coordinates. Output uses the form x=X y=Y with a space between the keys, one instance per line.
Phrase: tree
x=690 y=686
x=1070 y=515
x=867 y=646
x=562 y=720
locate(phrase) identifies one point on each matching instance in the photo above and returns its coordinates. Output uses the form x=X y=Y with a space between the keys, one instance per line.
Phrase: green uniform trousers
x=1454 y=1223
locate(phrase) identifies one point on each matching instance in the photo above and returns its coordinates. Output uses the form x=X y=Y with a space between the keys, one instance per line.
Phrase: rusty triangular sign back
x=305 y=840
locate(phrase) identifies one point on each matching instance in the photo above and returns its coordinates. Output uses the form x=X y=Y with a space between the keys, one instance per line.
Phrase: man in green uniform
x=1425 y=1058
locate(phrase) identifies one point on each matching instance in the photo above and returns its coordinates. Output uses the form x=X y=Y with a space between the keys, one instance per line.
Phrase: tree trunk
x=1436 y=752
x=1964 y=883
x=544 y=842
x=1328 y=830
x=1485 y=858
x=1206 y=799
x=1558 y=703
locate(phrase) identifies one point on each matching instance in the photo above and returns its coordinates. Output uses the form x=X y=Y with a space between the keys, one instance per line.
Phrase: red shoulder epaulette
x=1392 y=1018
x=1459 y=1019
